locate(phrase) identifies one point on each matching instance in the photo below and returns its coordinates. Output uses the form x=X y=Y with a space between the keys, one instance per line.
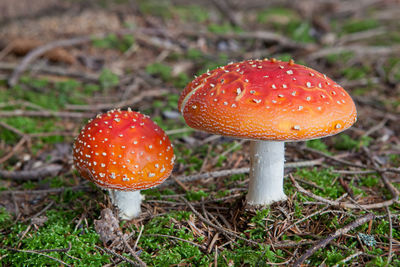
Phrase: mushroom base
x=128 y=203
x=266 y=173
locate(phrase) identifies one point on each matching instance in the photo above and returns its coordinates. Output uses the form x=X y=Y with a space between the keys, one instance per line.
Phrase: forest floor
x=61 y=64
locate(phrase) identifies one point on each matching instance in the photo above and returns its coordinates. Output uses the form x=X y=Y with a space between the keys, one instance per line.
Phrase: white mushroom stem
x=266 y=173
x=128 y=203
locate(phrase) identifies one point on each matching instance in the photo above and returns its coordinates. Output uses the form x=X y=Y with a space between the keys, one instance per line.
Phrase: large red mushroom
x=269 y=102
x=124 y=152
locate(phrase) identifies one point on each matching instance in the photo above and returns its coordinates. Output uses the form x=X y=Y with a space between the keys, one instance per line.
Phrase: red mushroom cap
x=123 y=150
x=267 y=100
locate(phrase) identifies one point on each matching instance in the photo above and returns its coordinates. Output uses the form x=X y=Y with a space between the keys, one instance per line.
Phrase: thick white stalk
x=266 y=173
x=128 y=203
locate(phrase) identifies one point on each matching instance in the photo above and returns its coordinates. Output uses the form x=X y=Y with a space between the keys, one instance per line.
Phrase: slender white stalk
x=266 y=173
x=128 y=203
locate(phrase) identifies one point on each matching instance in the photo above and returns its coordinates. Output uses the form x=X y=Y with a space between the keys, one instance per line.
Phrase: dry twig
x=40 y=252
x=341 y=204
x=337 y=233
x=35 y=174
x=222 y=173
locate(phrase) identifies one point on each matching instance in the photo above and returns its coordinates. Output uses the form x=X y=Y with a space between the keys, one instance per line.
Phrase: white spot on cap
x=104 y=154
x=257 y=101
x=296 y=127
x=338 y=126
x=238 y=91
x=151 y=174
x=308 y=84
x=290 y=72
x=273 y=86
x=300 y=107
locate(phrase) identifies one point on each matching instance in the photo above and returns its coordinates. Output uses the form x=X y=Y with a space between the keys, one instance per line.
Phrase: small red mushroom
x=125 y=152
x=270 y=102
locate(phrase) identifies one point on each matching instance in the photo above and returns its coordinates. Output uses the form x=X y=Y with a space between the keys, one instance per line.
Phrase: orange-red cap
x=267 y=100
x=123 y=150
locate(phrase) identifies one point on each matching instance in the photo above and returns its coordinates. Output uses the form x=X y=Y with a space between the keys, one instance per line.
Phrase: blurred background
x=63 y=62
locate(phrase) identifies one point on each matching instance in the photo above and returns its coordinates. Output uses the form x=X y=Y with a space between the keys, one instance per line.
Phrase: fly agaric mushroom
x=125 y=152
x=269 y=102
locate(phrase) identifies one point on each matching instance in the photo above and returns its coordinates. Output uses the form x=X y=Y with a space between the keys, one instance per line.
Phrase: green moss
x=370 y=180
x=156 y=8
x=191 y=13
x=340 y=58
x=196 y=195
x=159 y=69
x=112 y=41
x=345 y=142
x=57 y=232
x=249 y=256
x=277 y=16
x=222 y=28
x=318 y=144
x=324 y=178
x=355 y=73
x=330 y=256
x=108 y=79
x=163 y=251
x=355 y=25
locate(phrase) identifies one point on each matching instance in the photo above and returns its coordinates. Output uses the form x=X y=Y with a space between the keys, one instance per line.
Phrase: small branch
x=133 y=253
x=337 y=233
x=112 y=252
x=222 y=173
x=359 y=50
x=226 y=10
x=178 y=238
x=35 y=174
x=266 y=36
x=39 y=252
x=138 y=238
x=46 y=191
x=53 y=70
x=341 y=204
x=389 y=258
x=46 y=113
x=15 y=149
x=394 y=170
x=121 y=104
x=352 y=256
x=36 y=53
